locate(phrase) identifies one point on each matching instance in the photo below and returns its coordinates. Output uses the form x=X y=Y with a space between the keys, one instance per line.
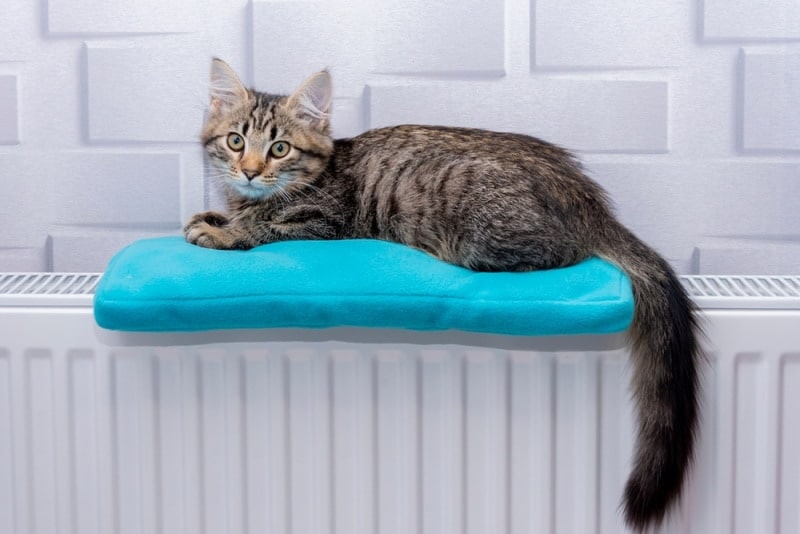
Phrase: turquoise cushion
x=166 y=284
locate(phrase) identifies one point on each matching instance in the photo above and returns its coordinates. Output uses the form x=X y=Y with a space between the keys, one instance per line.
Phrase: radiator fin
x=7 y=479
x=84 y=440
x=789 y=461
x=396 y=394
x=755 y=444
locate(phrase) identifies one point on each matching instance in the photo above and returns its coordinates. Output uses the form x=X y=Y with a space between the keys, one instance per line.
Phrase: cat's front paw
x=205 y=235
x=207 y=230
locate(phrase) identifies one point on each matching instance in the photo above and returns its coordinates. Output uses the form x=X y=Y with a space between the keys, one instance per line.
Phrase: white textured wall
x=687 y=111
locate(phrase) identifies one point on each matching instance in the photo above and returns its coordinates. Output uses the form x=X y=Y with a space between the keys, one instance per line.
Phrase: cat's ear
x=312 y=101
x=226 y=88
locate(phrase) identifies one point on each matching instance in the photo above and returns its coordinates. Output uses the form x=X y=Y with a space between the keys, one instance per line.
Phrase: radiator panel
x=332 y=436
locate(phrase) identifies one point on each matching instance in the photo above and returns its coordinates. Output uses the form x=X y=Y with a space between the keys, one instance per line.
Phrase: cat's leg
x=303 y=222
x=211 y=229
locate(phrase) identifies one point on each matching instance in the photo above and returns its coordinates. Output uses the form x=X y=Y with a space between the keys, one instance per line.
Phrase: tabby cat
x=484 y=200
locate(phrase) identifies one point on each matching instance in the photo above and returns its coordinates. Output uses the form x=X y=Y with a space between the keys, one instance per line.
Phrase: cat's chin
x=252 y=192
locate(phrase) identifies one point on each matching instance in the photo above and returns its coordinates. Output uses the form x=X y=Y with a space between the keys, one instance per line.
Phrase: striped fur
x=484 y=200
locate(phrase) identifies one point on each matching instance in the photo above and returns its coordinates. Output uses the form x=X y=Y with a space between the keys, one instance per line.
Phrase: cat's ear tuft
x=226 y=88
x=312 y=101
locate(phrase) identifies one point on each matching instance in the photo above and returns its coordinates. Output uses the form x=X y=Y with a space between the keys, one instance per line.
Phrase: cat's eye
x=235 y=142
x=279 y=149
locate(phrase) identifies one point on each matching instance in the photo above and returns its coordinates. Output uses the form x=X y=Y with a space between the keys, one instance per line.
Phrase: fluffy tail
x=666 y=359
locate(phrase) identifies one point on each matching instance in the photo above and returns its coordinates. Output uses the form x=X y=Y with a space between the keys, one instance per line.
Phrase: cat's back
x=455 y=141
x=512 y=162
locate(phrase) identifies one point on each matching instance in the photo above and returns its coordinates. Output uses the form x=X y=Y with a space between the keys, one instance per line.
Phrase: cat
x=487 y=201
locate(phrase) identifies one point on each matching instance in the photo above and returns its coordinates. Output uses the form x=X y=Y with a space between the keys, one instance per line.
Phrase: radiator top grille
x=48 y=283
x=77 y=289
x=48 y=289
x=744 y=291
x=742 y=286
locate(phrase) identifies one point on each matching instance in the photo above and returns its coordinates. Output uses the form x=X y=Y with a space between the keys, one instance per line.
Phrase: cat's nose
x=251 y=173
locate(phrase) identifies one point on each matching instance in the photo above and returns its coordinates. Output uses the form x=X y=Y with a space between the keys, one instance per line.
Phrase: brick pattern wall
x=688 y=112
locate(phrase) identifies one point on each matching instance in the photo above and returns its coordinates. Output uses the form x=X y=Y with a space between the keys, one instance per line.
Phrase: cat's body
x=484 y=200
x=424 y=197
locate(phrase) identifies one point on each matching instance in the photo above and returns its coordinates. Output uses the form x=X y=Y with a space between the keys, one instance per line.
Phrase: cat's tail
x=666 y=352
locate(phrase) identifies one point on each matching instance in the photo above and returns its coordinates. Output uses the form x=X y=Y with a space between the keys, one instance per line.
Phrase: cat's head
x=260 y=144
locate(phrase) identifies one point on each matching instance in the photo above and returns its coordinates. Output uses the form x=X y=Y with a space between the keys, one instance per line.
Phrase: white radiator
x=375 y=432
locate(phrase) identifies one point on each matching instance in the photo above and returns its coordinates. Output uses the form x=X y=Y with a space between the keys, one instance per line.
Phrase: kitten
x=484 y=200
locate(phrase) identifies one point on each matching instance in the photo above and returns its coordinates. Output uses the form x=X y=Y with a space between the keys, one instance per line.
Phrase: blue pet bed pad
x=168 y=285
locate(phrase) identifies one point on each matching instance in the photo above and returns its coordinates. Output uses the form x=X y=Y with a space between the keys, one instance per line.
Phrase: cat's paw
x=204 y=235
x=206 y=230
